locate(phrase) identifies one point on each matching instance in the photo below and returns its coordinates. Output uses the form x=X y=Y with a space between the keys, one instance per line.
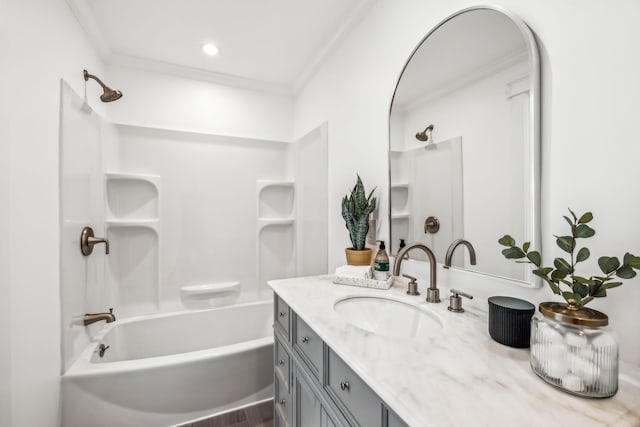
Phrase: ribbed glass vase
x=573 y=349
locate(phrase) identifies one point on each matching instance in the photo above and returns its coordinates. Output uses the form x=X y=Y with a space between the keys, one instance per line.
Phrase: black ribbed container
x=510 y=321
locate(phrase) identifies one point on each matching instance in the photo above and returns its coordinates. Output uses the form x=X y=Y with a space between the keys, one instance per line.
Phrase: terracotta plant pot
x=355 y=257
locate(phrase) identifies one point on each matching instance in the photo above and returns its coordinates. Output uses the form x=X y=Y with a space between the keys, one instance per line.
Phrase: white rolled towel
x=354 y=271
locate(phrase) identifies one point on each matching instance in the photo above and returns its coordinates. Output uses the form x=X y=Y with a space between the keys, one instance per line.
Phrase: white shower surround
x=172 y=368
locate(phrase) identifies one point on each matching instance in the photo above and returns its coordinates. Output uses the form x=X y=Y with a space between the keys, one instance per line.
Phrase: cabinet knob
x=344 y=385
x=282 y=401
x=281 y=362
x=305 y=339
x=283 y=313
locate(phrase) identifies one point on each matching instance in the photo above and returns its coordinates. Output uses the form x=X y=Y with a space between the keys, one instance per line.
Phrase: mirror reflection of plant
x=563 y=273
x=356 y=208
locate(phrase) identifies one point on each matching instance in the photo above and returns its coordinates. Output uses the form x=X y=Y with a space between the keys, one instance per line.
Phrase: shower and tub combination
x=166 y=369
x=193 y=335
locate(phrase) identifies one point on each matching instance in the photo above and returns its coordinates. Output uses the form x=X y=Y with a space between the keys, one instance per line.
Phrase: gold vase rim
x=569 y=313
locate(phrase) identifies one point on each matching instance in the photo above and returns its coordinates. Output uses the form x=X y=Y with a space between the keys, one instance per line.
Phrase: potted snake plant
x=356 y=208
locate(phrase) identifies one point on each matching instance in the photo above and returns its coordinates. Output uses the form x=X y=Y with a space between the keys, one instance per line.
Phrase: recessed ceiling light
x=210 y=49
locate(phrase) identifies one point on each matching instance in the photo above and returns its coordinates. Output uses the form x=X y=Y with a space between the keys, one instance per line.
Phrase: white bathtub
x=167 y=369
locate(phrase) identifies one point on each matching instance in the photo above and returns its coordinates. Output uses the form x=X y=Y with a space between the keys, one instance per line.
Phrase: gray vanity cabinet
x=314 y=387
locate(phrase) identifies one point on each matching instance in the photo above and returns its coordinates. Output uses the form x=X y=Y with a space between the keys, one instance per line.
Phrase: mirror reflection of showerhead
x=425 y=134
x=108 y=94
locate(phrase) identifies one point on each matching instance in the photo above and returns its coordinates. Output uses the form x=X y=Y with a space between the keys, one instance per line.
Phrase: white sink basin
x=388 y=317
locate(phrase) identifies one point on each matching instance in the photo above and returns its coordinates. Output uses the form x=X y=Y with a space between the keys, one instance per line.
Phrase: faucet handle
x=455 y=302
x=413 y=285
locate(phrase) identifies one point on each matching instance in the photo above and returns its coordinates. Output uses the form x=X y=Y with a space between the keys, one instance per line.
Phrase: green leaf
x=583 y=280
x=575 y=218
x=583 y=254
x=581 y=290
x=534 y=257
x=566 y=243
x=632 y=261
x=542 y=272
x=566 y=218
x=585 y=218
x=570 y=295
x=601 y=293
x=625 y=272
x=562 y=265
x=593 y=289
x=558 y=275
x=584 y=231
x=507 y=240
x=555 y=288
x=513 y=252
x=585 y=301
x=525 y=246
x=608 y=264
x=611 y=285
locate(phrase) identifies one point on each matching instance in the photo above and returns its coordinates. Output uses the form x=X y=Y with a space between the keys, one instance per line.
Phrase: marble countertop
x=460 y=377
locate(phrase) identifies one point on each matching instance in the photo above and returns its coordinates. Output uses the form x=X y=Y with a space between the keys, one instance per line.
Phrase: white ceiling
x=268 y=44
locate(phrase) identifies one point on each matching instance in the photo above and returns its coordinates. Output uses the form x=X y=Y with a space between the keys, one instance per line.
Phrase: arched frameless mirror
x=464 y=141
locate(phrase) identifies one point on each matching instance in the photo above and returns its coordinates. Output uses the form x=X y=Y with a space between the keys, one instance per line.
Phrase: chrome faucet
x=90 y=318
x=433 y=293
x=452 y=248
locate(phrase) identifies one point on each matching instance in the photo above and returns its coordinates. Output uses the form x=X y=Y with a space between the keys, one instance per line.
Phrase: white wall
x=169 y=102
x=589 y=95
x=207 y=215
x=5 y=227
x=45 y=44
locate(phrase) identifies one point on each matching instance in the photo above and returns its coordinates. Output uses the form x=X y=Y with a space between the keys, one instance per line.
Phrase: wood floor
x=260 y=415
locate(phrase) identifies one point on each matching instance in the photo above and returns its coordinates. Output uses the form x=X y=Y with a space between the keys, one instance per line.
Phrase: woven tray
x=364 y=283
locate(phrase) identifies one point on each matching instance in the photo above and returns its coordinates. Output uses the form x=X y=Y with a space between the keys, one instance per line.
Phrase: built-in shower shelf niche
x=399 y=200
x=132 y=195
x=133 y=267
x=149 y=223
x=275 y=228
x=269 y=222
x=400 y=216
x=133 y=228
x=275 y=198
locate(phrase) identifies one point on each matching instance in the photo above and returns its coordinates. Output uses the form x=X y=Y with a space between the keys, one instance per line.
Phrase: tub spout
x=90 y=318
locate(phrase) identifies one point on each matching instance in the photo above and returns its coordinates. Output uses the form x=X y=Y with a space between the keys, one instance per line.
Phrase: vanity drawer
x=283 y=403
x=356 y=397
x=282 y=315
x=282 y=362
x=310 y=346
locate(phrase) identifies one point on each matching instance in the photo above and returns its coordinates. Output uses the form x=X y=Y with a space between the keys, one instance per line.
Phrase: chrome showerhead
x=425 y=134
x=108 y=94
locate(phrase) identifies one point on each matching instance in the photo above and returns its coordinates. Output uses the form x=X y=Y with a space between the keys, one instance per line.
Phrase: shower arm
x=88 y=76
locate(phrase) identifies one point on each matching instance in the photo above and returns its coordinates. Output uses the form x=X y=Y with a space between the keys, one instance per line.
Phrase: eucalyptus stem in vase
x=562 y=278
x=571 y=347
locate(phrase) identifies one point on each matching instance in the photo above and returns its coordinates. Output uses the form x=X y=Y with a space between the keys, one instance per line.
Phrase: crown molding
x=161 y=67
x=87 y=21
x=314 y=64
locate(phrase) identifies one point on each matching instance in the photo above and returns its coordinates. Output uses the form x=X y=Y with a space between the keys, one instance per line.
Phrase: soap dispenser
x=381 y=263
